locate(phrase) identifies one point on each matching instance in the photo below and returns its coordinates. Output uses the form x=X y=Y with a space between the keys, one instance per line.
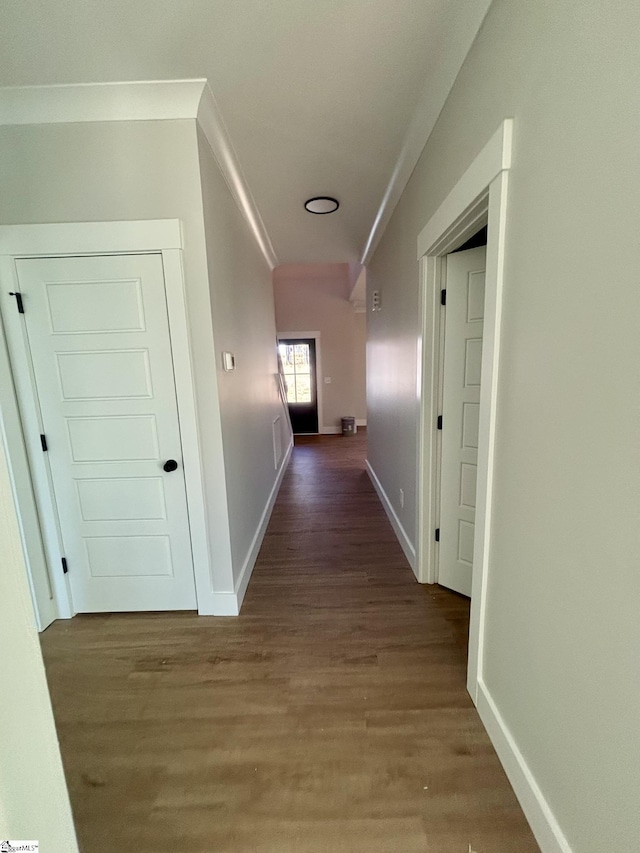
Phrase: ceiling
x=331 y=97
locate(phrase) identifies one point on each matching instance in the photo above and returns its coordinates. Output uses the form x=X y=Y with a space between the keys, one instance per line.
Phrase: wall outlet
x=401 y=498
x=327 y=380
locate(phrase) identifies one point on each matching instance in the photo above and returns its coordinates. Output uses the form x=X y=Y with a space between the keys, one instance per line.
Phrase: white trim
x=28 y=466
x=543 y=822
x=230 y=603
x=107 y=238
x=319 y=377
x=245 y=575
x=444 y=226
x=140 y=100
x=337 y=430
x=215 y=130
x=179 y=331
x=403 y=539
x=88 y=238
x=481 y=191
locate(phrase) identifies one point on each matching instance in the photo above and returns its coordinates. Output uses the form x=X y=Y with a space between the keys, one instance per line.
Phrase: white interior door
x=100 y=346
x=464 y=317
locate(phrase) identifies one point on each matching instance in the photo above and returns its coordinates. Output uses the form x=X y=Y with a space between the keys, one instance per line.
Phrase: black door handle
x=170 y=465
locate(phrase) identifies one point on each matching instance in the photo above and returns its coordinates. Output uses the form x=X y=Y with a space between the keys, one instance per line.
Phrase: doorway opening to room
x=459 y=389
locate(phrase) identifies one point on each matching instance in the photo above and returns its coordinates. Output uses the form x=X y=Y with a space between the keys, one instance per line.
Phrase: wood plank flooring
x=332 y=715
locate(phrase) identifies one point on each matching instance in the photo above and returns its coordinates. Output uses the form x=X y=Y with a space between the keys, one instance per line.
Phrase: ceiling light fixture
x=322 y=204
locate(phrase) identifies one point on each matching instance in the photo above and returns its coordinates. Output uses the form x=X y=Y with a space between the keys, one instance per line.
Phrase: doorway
x=299 y=365
x=98 y=417
x=98 y=343
x=479 y=198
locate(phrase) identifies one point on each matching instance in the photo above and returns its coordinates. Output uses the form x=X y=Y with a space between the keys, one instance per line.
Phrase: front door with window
x=99 y=340
x=298 y=358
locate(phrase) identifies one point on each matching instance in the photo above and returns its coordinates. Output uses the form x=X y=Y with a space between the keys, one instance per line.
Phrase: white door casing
x=478 y=198
x=101 y=352
x=464 y=319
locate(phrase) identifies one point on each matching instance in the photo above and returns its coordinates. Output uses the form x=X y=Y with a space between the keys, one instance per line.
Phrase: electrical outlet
x=401 y=498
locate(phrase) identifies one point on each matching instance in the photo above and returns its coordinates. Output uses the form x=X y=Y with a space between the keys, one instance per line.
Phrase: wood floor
x=332 y=715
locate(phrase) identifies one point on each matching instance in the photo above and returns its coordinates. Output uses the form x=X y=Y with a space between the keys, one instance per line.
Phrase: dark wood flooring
x=332 y=715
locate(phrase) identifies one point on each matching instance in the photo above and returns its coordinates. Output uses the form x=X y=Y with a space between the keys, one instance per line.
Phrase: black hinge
x=43 y=442
x=65 y=568
x=439 y=421
x=443 y=297
x=437 y=534
x=19 y=303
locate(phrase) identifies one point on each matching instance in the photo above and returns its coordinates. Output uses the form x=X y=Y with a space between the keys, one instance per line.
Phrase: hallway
x=331 y=715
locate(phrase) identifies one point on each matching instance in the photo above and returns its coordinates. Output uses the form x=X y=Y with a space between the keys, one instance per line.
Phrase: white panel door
x=460 y=407
x=99 y=339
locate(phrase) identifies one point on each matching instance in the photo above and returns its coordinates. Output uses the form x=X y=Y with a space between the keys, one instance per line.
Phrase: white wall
x=244 y=324
x=34 y=803
x=315 y=297
x=562 y=618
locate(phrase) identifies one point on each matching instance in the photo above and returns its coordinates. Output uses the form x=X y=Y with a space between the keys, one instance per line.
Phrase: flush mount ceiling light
x=322 y=204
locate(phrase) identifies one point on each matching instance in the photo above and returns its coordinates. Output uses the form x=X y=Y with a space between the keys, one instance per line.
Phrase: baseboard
x=245 y=575
x=337 y=430
x=221 y=604
x=403 y=539
x=543 y=823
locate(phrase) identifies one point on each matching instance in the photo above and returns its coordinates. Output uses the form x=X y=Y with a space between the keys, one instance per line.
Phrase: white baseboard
x=403 y=539
x=245 y=575
x=337 y=430
x=543 y=823
x=221 y=604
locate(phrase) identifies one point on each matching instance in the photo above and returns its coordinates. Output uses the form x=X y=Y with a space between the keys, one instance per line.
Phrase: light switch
x=228 y=361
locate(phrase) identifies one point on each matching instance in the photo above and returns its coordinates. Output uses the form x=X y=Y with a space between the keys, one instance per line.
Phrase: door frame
x=319 y=380
x=478 y=198
x=20 y=425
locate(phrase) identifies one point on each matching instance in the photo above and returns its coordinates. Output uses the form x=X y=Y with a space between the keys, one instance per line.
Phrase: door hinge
x=19 y=302
x=65 y=568
x=439 y=421
x=437 y=534
x=43 y=442
x=443 y=297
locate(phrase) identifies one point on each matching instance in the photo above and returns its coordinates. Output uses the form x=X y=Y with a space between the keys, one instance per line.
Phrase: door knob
x=170 y=465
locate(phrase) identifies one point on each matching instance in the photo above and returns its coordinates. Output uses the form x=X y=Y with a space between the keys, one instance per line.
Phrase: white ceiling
x=329 y=97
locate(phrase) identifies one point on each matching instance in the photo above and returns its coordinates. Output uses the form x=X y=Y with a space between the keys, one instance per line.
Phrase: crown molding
x=141 y=101
x=83 y=102
x=417 y=136
x=215 y=130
